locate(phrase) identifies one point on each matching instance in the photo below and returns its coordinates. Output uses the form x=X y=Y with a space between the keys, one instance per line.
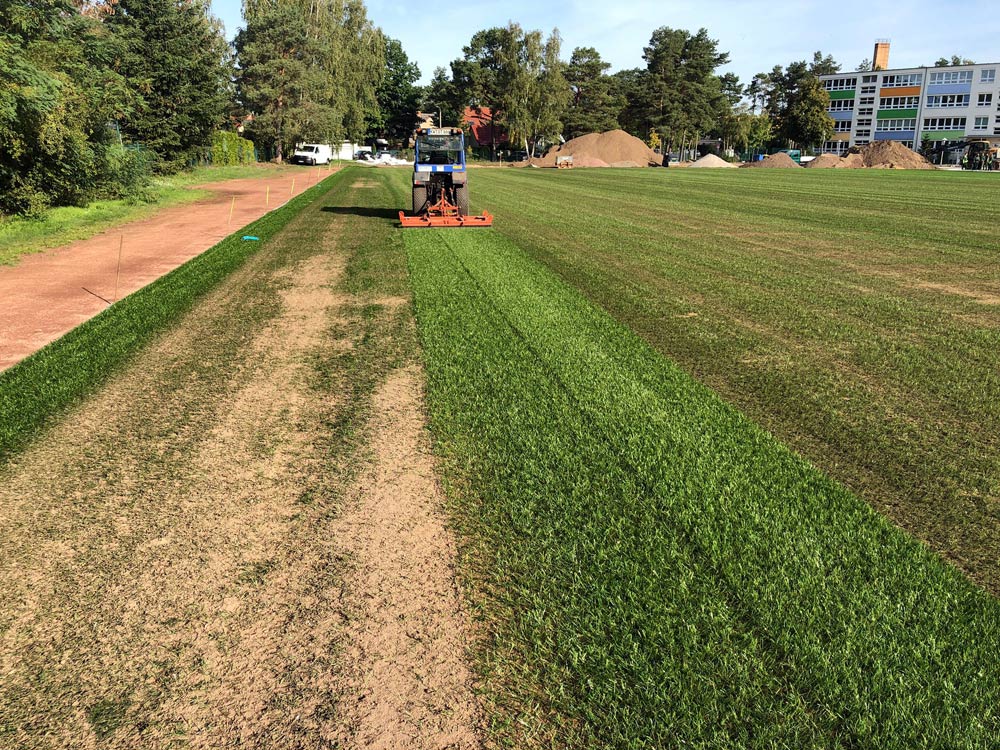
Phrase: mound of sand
x=824 y=161
x=851 y=161
x=613 y=148
x=891 y=155
x=711 y=161
x=774 y=161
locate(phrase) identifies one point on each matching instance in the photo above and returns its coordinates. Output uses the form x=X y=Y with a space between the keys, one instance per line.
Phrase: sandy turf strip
x=175 y=570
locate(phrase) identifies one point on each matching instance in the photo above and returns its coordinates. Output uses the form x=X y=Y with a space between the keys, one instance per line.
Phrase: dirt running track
x=49 y=293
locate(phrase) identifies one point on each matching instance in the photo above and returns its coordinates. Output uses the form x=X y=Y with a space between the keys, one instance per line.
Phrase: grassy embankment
x=652 y=568
x=47 y=382
x=69 y=223
x=855 y=314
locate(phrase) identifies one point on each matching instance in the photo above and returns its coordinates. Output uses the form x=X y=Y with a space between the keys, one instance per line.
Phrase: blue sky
x=758 y=35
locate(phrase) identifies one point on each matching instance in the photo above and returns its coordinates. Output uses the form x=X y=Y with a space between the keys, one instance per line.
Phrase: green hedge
x=229 y=149
x=52 y=379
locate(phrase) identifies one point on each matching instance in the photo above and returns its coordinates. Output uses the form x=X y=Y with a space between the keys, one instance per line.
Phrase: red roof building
x=480 y=121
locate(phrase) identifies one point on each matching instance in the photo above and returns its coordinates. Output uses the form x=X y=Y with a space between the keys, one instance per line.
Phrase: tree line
x=678 y=99
x=95 y=95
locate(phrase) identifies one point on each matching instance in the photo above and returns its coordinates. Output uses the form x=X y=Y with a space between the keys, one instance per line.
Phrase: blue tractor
x=440 y=182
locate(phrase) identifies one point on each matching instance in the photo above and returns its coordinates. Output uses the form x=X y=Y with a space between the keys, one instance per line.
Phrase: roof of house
x=480 y=121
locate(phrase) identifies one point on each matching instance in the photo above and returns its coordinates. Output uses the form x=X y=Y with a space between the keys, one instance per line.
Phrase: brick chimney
x=880 y=58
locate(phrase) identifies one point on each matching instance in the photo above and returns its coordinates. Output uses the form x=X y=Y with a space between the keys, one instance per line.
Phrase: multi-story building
x=954 y=103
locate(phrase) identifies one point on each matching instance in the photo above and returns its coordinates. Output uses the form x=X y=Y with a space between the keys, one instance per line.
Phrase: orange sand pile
x=774 y=161
x=615 y=148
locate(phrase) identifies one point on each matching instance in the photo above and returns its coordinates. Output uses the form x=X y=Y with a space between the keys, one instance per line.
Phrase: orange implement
x=445 y=214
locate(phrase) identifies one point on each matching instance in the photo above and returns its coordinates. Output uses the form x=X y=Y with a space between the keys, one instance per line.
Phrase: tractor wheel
x=419 y=199
x=462 y=199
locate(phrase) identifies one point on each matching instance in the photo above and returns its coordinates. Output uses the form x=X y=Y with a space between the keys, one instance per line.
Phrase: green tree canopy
x=796 y=102
x=594 y=102
x=58 y=95
x=684 y=94
x=398 y=97
x=309 y=70
x=943 y=62
x=175 y=55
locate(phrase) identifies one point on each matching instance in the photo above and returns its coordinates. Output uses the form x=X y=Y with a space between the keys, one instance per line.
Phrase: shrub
x=229 y=149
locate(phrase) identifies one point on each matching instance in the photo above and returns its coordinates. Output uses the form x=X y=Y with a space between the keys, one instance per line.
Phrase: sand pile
x=824 y=161
x=615 y=148
x=891 y=155
x=774 y=161
x=711 y=161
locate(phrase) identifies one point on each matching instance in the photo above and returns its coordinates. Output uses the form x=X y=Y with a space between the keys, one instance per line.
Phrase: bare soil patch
x=406 y=636
x=47 y=294
x=174 y=571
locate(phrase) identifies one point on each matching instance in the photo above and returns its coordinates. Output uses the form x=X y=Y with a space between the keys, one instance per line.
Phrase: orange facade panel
x=900 y=91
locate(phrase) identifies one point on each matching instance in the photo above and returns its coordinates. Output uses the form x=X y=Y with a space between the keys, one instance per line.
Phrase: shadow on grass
x=375 y=213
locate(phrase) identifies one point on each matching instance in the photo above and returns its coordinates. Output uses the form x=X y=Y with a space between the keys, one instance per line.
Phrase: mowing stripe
x=664 y=571
x=52 y=379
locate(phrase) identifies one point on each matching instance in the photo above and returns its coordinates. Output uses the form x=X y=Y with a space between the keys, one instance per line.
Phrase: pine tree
x=175 y=55
x=593 y=106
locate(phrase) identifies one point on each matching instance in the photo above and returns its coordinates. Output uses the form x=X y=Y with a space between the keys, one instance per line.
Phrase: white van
x=312 y=154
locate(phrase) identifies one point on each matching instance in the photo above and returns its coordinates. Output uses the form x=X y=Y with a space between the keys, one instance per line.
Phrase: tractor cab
x=440 y=146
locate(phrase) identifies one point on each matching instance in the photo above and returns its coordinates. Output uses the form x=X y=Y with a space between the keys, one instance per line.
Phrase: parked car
x=312 y=154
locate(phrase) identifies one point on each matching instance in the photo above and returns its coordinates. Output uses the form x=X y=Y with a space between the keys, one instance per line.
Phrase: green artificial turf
x=650 y=567
x=853 y=313
x=43 y=385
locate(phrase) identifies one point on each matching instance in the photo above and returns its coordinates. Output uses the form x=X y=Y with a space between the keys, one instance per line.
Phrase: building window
x=889 y=125
x=863 y=134
x=906 y=79
x=948 y=100
x=944 y=123
x=864 y=123
x=861 y=142
x=899 y=102
x=868 y=89
x=840 y=84
x=985 y=100
x=866 y=100
x=988 y=76
x=866 y=111
x=950 y=77
x=841 y=126
x=982 y=123
x=869 y=79
x=841 y=105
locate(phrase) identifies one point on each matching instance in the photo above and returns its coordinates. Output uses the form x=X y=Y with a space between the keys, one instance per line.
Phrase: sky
x=758 y=35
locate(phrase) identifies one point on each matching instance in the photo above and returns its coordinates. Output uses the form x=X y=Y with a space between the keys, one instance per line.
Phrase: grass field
x=172 y=573
x=658 y=569
x=855 y=314
x=680 y=418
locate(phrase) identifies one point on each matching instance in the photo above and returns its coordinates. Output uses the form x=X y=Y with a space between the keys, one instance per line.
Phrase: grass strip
x=60 y=374
x=657 y=570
